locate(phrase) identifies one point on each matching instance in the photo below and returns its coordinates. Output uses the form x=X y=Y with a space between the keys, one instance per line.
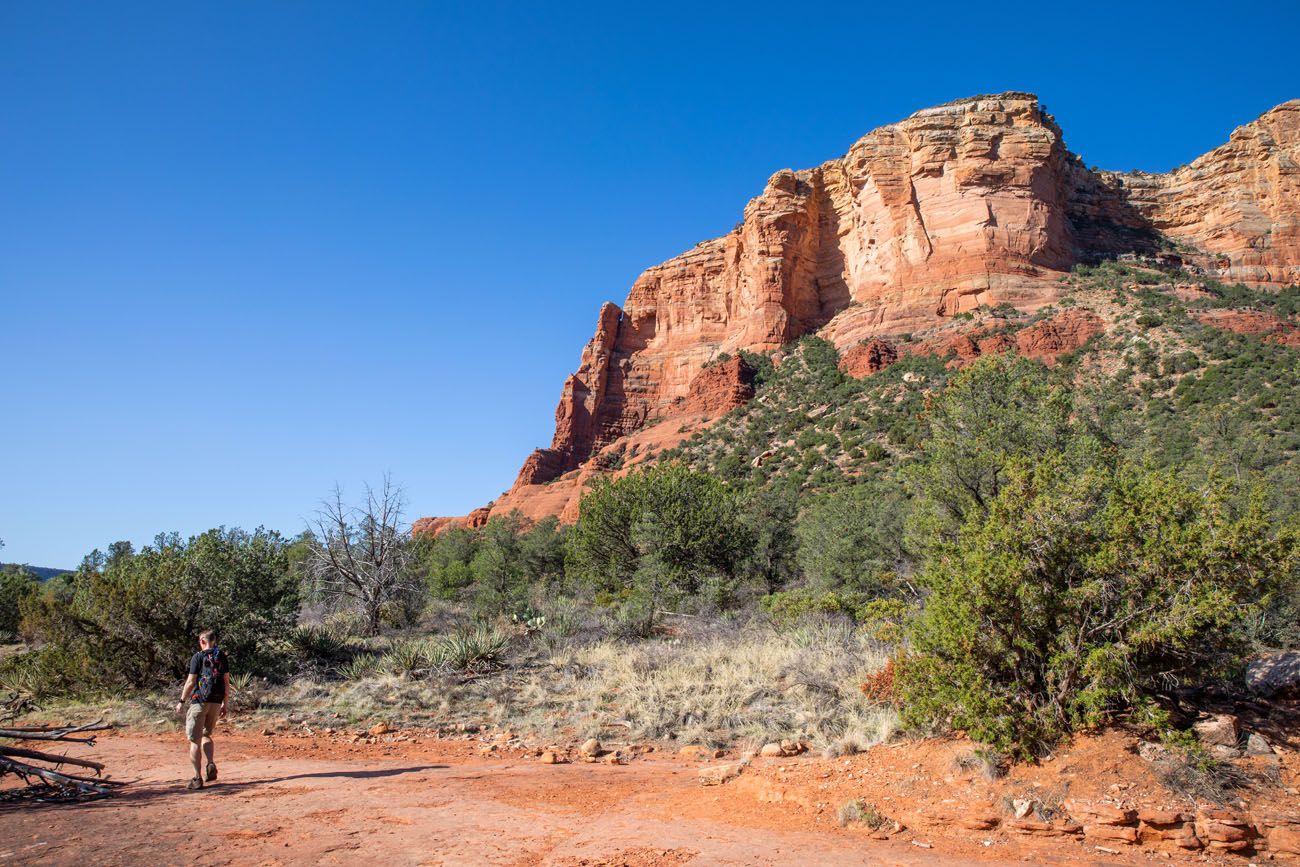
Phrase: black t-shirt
x=218 y=693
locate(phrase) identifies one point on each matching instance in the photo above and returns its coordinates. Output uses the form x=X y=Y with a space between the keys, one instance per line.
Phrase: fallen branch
x=53 y=733
x=35 y=767
x=54 y=778
x=20 y=753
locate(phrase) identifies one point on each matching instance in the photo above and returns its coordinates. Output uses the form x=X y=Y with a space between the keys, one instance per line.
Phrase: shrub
x=859 y=812
x=789 y=607
x=658 y=536
x=319 y=645
x=130 y=619
x=16 y=585
x=361 y=667
x=853 y=538
x=989 y=763
x=1000 y=409
x=1190 y=771
x=1078 y=594
x=410 y=657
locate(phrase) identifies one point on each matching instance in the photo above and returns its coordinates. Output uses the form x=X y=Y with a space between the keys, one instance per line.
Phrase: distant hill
x=44 y=573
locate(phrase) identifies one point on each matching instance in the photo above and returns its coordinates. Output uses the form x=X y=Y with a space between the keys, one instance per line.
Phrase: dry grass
x=722 y=689
x=725 y=686
x=859 y=812
x=1199 y=777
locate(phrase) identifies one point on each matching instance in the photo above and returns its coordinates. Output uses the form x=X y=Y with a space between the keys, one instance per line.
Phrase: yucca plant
x=318 y=644
x=480 y=648
x=360 y=667
x=247 y=691
x=409 y=657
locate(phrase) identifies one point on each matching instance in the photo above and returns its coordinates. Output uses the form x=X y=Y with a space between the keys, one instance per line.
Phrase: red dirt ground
x=324 y=800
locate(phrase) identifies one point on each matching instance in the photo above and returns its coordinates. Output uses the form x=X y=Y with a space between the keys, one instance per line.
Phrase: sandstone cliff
x=977 y=202
x=1240 y=203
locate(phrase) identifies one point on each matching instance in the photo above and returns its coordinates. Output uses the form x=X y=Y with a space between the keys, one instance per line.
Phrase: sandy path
x=285 y=801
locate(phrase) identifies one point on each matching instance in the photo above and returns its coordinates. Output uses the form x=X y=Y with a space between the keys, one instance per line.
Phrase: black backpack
x=209 y=675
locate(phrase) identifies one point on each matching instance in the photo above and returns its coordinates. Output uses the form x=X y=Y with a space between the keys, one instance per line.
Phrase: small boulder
x=1257 y=746
x=1111 y=833
x=1275 y=674
x=1185 y=838
x=1164 y=818
x=772 y=751
x=716 y=775
x=977 y=821
x=1034 y=828
x=1286 y=840
x=1101 y=814
x=1224 y=830
x=590 y=747
x=696 y=752
x=1220 y=729
x=1150 y=751
x=379 y=729
x=549 y=757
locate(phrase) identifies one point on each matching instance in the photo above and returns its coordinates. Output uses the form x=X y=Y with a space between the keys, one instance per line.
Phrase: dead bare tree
x=361 y=553
x=35 y=767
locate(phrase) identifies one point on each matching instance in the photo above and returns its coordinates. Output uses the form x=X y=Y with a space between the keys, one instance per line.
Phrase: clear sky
x=252 y=249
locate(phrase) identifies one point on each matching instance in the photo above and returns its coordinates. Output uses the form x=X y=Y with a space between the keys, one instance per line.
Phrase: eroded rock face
x=720 y=388
x=970 y=203
x=868 y=358
x=1051 y=338
x=976 y=202
x=1045 y=341
x=1239 y=202
x=1267 y=327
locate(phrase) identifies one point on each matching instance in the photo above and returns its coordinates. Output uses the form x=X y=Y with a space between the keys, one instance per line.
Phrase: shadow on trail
x=353 y=775
x=136 y=795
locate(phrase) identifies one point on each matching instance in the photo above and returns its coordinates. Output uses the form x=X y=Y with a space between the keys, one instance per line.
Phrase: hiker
x=206 y=689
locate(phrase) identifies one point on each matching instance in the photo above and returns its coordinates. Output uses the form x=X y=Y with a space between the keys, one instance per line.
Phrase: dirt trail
x=282 y=801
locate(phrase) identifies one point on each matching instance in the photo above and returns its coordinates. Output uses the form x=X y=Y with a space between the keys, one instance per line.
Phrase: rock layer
x=1240 y=203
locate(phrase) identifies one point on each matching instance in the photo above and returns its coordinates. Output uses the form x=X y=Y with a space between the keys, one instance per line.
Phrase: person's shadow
x=352 y=775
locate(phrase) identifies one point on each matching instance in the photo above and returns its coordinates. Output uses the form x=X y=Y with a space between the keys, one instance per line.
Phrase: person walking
x=207 y=689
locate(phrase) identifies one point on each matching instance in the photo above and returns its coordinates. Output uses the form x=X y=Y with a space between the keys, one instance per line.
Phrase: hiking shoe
x=195 y=783
x=211 y=773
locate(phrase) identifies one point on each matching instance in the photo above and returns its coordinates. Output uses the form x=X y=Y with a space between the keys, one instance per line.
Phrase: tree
x=499 y=566
x=131 y=619
x=16 y=585
x=361 y=554
x=1075 y=595
x=1000 y=409
x=853 y=538
x=656 y=537
x=769 y=516
x=443 y=560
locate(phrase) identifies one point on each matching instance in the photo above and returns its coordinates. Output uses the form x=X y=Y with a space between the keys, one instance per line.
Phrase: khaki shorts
x=200 y=720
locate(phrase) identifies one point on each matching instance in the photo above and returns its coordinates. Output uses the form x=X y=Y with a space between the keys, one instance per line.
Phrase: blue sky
x=249 y=249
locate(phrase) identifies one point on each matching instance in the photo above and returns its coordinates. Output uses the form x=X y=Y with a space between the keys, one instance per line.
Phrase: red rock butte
x=975 y=202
